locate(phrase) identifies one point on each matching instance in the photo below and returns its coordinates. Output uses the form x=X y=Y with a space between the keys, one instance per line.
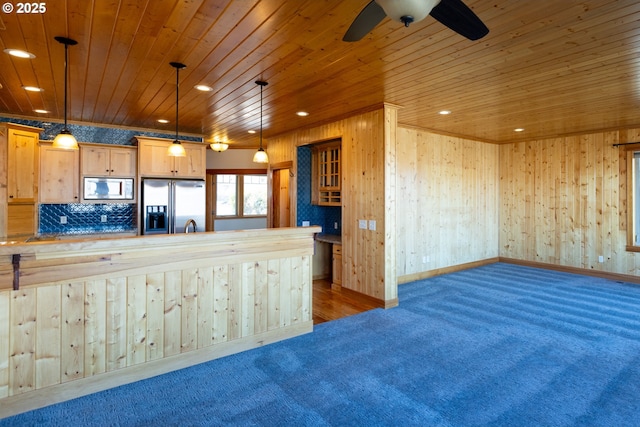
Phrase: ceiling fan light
x=260 y=156
x=219 y=146
x=65 y=140
x=399 y=9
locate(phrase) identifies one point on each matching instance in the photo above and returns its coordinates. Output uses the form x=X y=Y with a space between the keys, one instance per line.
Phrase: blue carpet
x=499 y=345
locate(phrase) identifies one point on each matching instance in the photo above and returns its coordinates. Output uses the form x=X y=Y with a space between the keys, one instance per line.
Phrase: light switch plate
x=63 y=219
x=305 y=223
x=362 y=224
x=103 y=218
x=372 y=224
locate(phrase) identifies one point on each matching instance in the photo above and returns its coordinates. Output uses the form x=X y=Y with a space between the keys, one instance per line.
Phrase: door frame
x=292 y=190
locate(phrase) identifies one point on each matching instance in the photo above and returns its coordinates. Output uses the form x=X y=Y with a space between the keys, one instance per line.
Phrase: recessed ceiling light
x=252 y=131
x=20 y=53
x=163 y=121
x=204 y=88
x=444 y=112
x=518 y=130
x=302 y=113
x=39 y=111
x=32 y=88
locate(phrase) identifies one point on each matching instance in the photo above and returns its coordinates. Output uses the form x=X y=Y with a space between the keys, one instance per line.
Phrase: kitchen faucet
x=189 y=222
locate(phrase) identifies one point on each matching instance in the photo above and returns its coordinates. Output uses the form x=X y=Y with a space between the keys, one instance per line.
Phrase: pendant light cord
x=177 y=90
x=178 y=66
x=66 y=77
x=261 y=86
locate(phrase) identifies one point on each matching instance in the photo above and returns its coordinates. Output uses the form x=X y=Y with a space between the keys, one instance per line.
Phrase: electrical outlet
x=426 y=259
x=335 y=225
x=305 y=223
x=63 y=219
x=103 y=218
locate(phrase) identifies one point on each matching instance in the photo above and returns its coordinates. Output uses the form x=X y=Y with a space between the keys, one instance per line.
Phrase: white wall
x=232 y=159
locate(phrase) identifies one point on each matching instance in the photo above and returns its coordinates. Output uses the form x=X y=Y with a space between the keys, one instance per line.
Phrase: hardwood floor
x=329 y=304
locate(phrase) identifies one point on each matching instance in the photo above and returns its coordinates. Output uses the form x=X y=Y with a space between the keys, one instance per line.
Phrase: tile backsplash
x=325 y=216
x=87 y=218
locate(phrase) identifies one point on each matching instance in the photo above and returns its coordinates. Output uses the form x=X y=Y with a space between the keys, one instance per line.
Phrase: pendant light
x=176 y=149
x=261 y=155
x=64 y=139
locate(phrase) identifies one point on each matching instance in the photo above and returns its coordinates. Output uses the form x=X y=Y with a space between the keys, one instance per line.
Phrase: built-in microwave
x=108 y=188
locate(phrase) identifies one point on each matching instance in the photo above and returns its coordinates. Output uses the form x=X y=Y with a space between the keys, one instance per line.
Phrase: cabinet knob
x=11 y=197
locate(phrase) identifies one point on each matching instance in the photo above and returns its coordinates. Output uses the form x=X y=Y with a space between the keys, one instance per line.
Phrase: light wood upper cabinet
x=153 y=160
x=22 y=163
x=100 y=160
x=59 y=175
x=326 y=174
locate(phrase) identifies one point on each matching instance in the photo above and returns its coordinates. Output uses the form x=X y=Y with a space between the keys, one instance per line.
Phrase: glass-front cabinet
x=327 y=174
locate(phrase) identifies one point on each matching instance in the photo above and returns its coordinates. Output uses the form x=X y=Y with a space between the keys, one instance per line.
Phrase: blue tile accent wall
x=85 y=218
x=97 y=134
x=325 y=216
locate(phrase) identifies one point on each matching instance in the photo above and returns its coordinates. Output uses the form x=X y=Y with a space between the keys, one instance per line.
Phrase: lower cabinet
x=21 y=220
x=336 y=262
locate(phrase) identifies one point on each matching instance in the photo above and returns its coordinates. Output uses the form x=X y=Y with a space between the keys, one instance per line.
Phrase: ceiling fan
x=452 y=13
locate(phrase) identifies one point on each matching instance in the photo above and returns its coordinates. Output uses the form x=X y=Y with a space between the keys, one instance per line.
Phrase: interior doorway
x=281 y=196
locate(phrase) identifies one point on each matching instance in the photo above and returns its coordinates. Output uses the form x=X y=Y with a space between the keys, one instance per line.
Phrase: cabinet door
x=194 y=164
x=123 y=162
x=95 y=161
x=21 y=220
x=336 y=265
x=59 y=175
x=153 y=159
x=326 y=167
x=22 y=166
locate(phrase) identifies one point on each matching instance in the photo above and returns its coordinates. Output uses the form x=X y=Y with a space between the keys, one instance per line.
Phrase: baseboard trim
x=445 y=270
x=40 y=398
x=618 y=277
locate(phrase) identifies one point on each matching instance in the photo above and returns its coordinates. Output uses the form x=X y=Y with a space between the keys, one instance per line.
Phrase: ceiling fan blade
x=457 y=16
x=366 y=21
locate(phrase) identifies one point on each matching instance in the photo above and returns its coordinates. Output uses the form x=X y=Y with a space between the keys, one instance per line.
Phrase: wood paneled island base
x=91 y=315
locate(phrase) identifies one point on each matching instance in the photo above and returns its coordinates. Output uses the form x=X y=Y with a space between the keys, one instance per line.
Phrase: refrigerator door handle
x=172 y=213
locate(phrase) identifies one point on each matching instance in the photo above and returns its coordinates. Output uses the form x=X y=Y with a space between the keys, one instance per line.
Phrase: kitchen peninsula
x=79 y=316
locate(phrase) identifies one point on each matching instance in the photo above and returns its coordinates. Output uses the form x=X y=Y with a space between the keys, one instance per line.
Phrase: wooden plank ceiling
x=550 y=67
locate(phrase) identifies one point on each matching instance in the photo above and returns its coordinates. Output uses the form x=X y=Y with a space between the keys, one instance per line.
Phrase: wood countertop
x=60 y=260
x=329 y=238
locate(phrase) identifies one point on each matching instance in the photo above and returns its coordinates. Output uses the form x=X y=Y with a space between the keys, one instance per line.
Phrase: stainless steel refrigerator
x=169 y=205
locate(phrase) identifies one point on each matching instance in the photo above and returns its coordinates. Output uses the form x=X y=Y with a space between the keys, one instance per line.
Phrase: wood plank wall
x=562 y=202
x=231 y=296
x=447 y=199
x=366 y=145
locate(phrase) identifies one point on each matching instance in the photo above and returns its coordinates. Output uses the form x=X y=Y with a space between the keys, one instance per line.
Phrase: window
x=240 y=195
x=636 y=198
x=630 y=166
